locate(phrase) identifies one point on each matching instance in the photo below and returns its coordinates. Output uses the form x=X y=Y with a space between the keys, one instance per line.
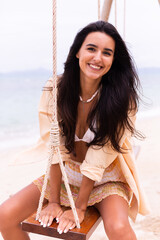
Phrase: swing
x=88 y=226
x=92 y=216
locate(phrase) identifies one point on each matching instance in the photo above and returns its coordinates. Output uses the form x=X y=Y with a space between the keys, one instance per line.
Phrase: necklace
x=90 y=99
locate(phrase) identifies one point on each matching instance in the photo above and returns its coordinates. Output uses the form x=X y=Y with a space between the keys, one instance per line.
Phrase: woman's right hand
x=53 y=210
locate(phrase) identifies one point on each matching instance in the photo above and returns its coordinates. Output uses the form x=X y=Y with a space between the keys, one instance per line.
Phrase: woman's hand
x=53 y=210
x=67 y=222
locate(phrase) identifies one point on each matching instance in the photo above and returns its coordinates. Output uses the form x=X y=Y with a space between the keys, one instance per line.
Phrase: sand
x=15 y=177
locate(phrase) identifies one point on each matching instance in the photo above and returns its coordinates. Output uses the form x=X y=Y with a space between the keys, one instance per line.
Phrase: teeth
x=94 y=66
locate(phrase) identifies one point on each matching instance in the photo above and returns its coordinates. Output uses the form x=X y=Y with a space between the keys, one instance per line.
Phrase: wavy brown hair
x=119 y=93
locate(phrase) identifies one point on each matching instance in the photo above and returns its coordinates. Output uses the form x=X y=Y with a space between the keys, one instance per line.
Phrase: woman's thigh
x=114 y=212
x=19 y=206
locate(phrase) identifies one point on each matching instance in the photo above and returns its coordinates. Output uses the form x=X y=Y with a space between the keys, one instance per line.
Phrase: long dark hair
x=119 y=93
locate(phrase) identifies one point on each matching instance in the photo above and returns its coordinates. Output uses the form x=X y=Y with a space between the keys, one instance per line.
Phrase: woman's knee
x=21 y=205
x=117 y=227
x=7 y=219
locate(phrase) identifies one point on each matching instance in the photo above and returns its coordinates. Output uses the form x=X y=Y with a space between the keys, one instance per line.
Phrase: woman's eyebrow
x=93 y=45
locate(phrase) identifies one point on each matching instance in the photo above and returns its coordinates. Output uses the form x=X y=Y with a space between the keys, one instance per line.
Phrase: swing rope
x=99 y=9
x=115 y=13
x=54 y=132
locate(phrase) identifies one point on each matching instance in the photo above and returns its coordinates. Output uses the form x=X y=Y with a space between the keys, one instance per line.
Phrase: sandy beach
x=15 y=177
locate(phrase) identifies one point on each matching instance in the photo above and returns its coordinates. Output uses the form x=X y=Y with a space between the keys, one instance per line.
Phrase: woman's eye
x=107 y=53
x=91 y=49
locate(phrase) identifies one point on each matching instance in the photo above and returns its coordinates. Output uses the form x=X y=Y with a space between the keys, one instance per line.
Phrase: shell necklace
x=90 y=99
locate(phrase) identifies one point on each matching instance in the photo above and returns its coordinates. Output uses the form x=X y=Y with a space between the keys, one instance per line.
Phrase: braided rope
x=44 y=184
x=116 y=13
x=54 y=133
x=99 y=9
x=54 y=61
x=68 y=188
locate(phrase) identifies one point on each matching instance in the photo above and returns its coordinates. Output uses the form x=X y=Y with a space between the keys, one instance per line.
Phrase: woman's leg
x=15 y=210
x=114 y=212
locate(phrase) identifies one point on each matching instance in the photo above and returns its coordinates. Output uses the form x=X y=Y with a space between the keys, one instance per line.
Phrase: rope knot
x=54 y=135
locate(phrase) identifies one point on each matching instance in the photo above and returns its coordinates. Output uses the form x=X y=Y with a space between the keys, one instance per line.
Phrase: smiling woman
x=97 y=103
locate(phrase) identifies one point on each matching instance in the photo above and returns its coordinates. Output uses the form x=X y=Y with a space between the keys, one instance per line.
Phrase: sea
x=20 y=94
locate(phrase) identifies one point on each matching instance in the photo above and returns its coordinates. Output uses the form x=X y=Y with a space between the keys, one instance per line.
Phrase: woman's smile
x=94 y=67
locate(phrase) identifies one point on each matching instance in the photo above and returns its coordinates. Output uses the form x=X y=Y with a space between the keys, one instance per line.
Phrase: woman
x=97 y=103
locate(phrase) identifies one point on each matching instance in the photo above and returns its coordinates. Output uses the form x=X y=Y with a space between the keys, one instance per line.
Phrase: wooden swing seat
x=88 y=226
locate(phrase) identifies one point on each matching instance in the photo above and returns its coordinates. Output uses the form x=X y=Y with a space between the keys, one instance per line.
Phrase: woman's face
x=96 y=56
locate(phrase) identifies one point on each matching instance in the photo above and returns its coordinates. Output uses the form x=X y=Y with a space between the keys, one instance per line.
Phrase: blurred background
x=26 y=64
x=26 y=55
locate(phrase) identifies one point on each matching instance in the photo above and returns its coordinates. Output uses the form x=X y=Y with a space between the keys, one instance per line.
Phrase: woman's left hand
x=67 y=222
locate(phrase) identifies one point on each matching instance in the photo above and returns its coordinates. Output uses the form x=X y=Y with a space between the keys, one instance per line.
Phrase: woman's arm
x=53 y=209
x=84 y=193
x=55 y=183
x=66 y=220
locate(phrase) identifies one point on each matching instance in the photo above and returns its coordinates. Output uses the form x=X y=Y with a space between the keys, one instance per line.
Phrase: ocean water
x=19 y=99
x=150 y=82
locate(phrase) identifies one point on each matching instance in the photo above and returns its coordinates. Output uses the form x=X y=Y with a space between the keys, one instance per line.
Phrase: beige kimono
x=96 y=160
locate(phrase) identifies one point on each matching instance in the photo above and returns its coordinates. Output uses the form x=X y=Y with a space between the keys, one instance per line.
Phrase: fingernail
x=41 y=223
x=39 y=220
x=48 y=224
x=44 y=225
x=65 y=231
x=57 y=220
x=59 y=231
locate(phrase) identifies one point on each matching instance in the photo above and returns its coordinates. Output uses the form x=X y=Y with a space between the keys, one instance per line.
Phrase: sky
x=26 y=31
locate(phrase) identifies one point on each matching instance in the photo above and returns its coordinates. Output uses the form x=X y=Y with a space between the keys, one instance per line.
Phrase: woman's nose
x=97 y=56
